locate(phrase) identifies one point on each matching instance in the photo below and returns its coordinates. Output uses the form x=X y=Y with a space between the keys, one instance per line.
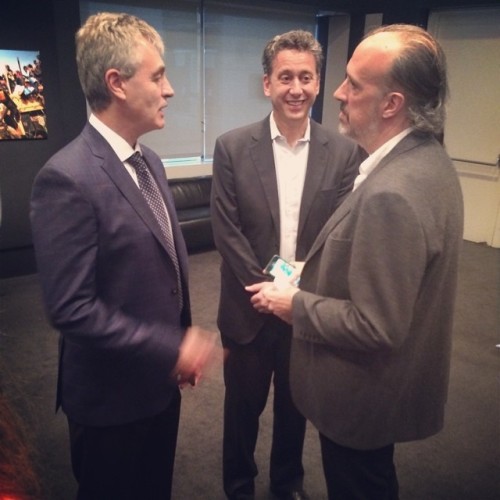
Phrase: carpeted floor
x=460 y=463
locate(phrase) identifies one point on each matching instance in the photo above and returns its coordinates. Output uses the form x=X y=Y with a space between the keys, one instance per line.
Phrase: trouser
x=359 y=474
x=248 y=372
x=131 y=461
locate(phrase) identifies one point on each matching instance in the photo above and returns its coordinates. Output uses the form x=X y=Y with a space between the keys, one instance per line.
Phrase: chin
x=159 y=124
x=344 y=129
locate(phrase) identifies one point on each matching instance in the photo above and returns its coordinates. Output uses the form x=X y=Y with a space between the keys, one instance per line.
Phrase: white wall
x=188 y=171
x=471 y=41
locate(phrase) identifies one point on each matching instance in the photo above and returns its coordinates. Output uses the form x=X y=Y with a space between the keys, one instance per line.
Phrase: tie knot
x=137 y=161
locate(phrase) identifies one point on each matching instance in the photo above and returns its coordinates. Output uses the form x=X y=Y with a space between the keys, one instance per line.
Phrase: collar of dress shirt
x=275 y=133
x=369 y=164
x=119 y=145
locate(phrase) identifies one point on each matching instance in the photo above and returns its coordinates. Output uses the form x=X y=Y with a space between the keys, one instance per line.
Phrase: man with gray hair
x=372 y=319
x=113 y=268
x=275 y=183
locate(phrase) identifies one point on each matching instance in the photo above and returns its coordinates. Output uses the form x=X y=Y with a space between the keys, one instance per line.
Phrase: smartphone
x=282 y=271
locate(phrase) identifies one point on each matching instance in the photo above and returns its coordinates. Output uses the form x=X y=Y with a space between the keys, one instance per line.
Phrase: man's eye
x=352 y=84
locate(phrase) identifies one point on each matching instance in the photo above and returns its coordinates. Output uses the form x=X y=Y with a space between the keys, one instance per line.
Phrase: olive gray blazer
x=373 y=324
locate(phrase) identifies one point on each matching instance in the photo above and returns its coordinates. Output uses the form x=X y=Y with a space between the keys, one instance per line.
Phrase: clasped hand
x=267 y=298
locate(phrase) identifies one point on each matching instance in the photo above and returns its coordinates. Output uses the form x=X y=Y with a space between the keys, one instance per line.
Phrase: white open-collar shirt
x=291 y=165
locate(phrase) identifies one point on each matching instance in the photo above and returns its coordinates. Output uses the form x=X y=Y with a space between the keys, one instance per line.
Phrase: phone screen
x=282 y=271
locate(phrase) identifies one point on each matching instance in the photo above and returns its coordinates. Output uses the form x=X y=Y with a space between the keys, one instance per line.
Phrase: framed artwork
x=22 y=102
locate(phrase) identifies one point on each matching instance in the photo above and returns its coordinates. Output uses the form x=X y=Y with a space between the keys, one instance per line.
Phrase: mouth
x=296 y=104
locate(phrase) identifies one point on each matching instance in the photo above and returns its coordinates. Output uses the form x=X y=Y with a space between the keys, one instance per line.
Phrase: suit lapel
x=409 y=142
x=114 y=168
x=262 y=155
x=316 y=166
x=332 y=222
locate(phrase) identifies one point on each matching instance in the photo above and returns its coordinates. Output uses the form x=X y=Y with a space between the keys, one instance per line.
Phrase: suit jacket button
x=175 y=291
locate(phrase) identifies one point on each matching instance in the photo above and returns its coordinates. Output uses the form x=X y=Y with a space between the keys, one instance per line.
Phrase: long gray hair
x=419 y=72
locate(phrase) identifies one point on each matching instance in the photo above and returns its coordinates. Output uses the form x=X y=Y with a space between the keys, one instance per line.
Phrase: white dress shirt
x=374 y=159
x=291 y=165
x=118 y=144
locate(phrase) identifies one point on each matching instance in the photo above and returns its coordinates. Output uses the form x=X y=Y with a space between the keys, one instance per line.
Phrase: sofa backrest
x=191 y=192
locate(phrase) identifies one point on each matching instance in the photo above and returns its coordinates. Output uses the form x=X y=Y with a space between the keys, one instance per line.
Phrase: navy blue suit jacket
x=108 y=283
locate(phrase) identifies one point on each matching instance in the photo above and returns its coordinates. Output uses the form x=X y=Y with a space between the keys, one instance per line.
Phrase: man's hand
x=196 y=353
x=269 y=299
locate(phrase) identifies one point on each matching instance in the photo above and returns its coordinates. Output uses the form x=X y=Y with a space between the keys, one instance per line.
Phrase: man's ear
x=265 y=85
x=114 y=82
x=394 y=103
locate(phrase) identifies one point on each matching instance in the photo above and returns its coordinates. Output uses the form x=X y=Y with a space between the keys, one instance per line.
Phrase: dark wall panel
x=48 y=27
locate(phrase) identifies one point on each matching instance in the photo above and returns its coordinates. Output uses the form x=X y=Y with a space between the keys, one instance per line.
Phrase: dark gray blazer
x=245 y=210
x=372 y=328
x=108 y=283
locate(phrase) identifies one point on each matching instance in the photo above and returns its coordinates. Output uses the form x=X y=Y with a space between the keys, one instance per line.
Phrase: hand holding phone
x=284 y=273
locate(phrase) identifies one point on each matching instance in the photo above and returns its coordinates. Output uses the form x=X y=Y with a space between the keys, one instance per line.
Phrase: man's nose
x=296 y=86
x=167 y=90
x=339 y=94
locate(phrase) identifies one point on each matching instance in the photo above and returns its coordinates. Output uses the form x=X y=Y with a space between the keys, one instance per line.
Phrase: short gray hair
x=106 y=41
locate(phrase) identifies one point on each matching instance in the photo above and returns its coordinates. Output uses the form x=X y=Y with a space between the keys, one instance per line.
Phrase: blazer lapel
x=316 y=166
x=263 y=159
x=339 y=214
x=409 y=142
x=112 y=165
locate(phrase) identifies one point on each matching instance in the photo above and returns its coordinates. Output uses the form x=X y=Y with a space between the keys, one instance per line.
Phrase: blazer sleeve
x=230 y=238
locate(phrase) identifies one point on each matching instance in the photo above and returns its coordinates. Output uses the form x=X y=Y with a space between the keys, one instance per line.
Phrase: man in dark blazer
x=275 y=184
x=372 y=321
x=113 y=269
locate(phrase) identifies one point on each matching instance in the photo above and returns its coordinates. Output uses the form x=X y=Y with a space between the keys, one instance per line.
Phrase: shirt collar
x=368 y=165
x=119 y=145
x=275 y=133
x=384 y=150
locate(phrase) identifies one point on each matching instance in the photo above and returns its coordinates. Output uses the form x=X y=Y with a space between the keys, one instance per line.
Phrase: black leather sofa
x=192 y=203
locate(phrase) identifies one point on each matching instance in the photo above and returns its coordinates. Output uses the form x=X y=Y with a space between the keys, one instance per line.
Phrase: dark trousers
x=359 y=474
x=131 y=462
x=248 y=372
